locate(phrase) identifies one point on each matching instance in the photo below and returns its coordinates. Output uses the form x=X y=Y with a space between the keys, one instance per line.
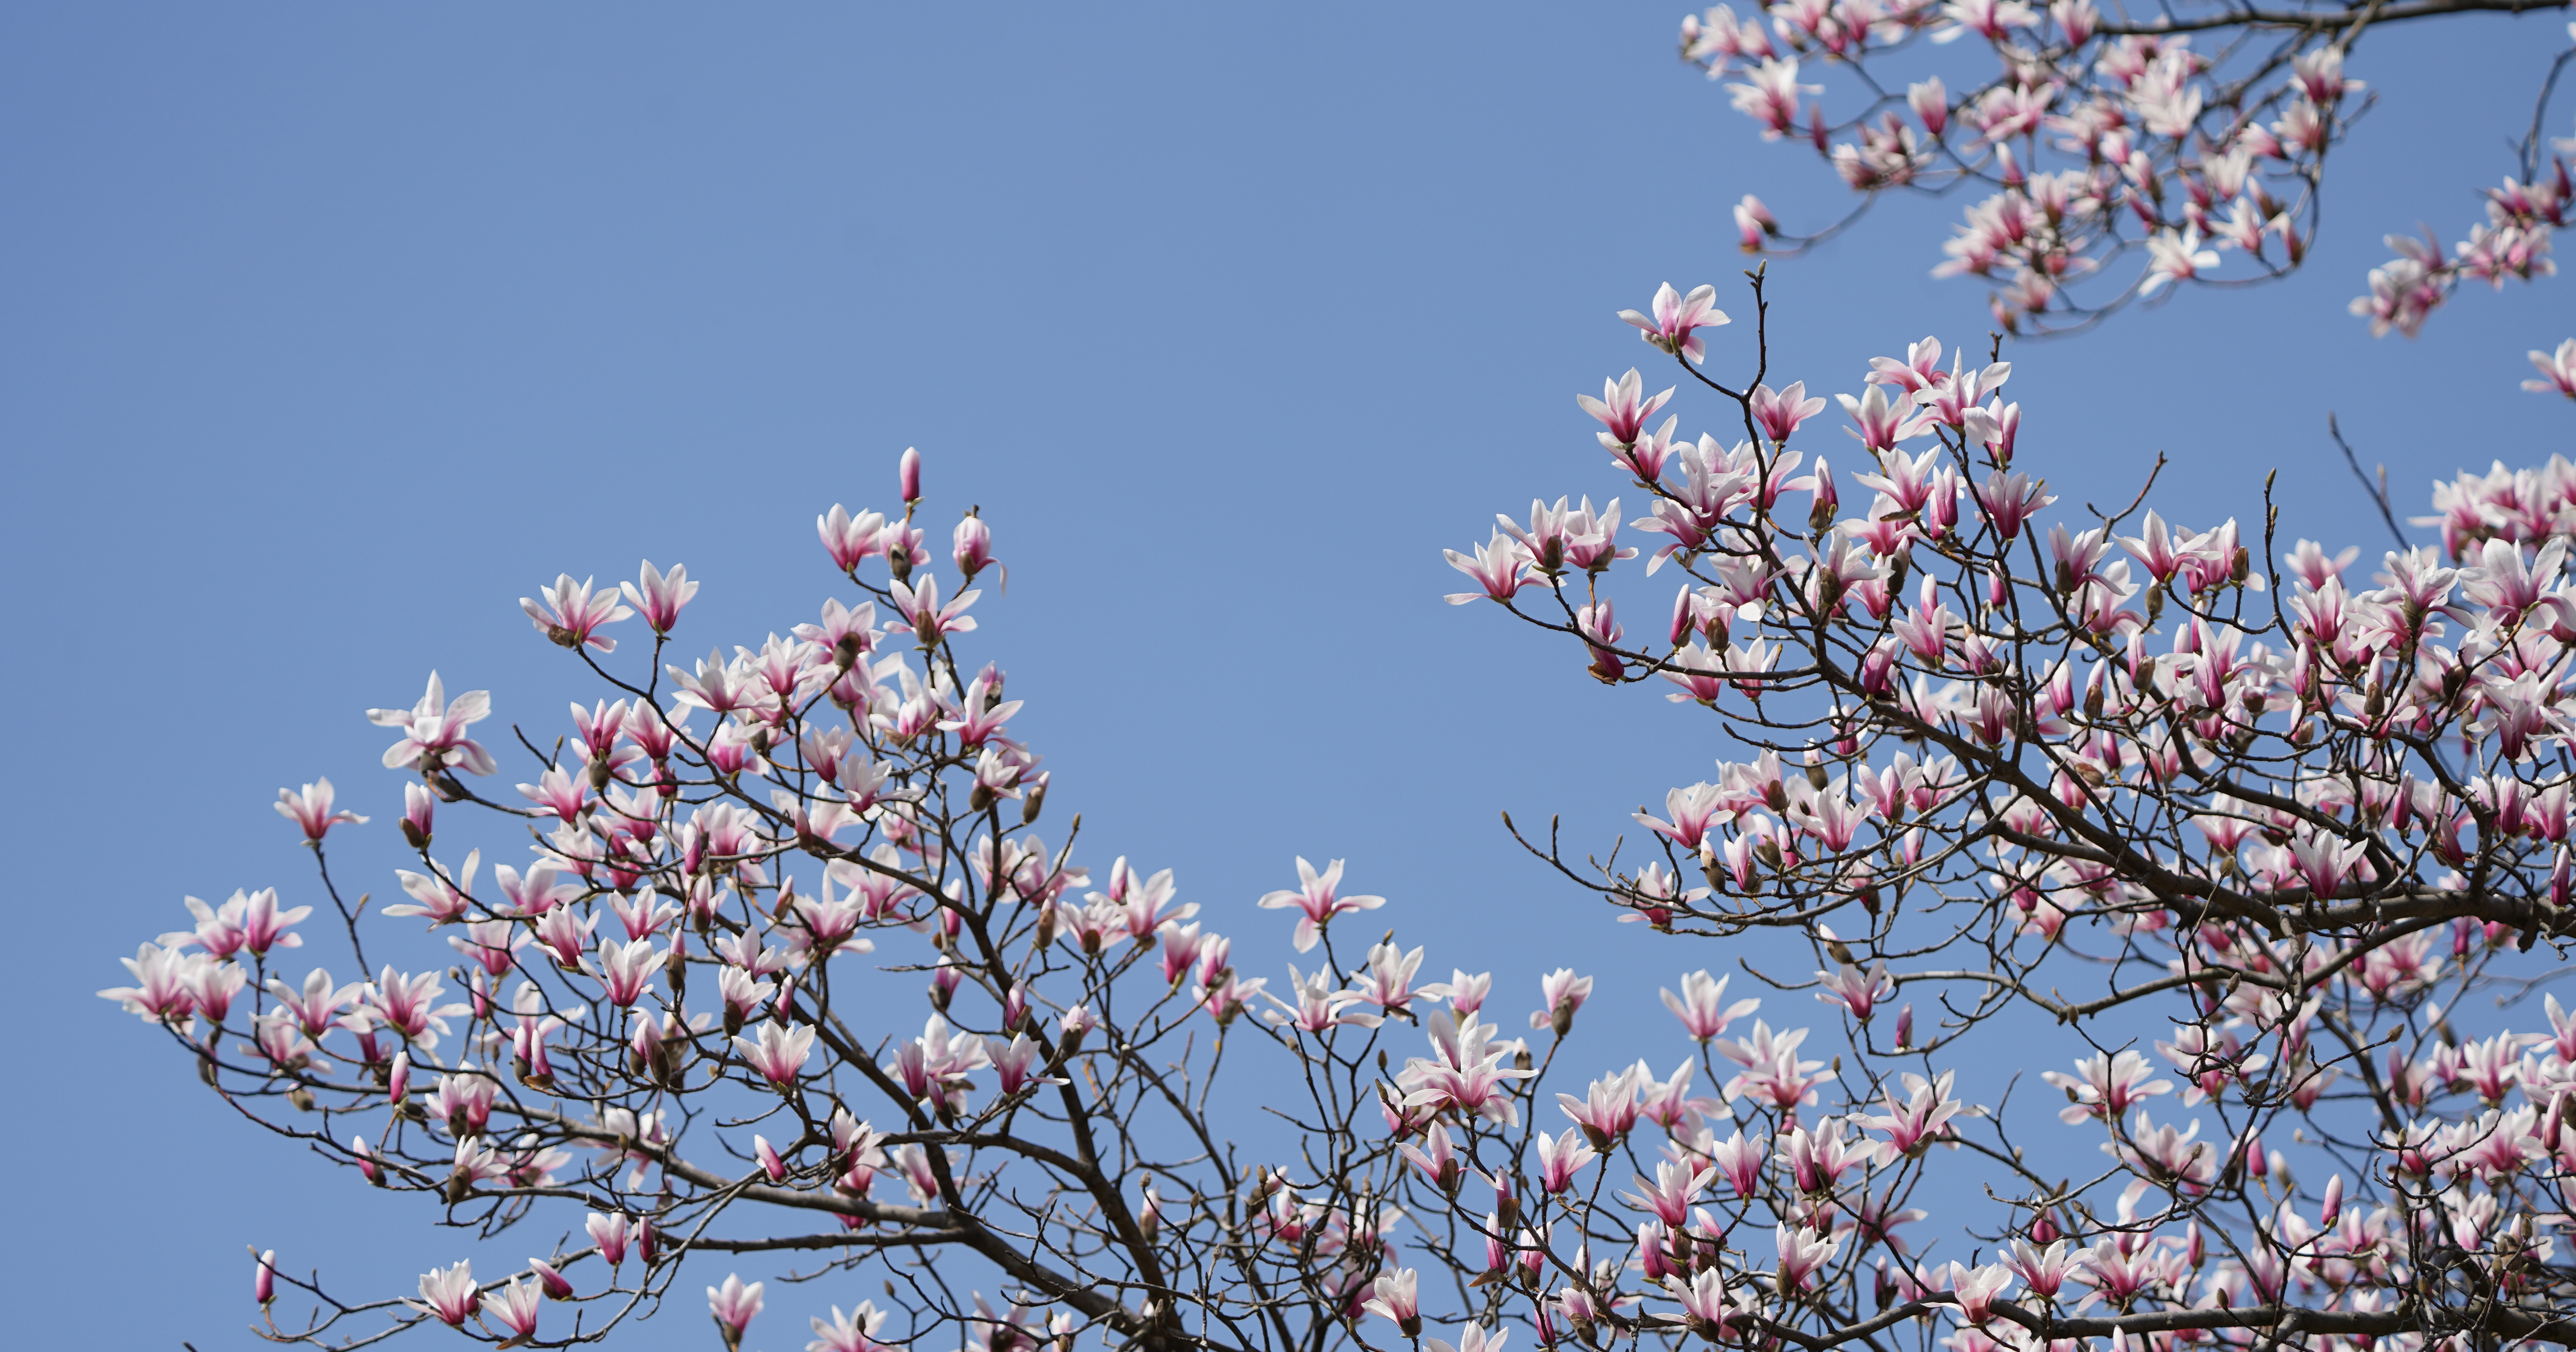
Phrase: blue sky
x=330 y=332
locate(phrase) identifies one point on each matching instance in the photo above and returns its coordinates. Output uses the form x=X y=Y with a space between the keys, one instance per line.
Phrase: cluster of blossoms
x=2181 y=137
x=2285 y=824
x=2512 y=243
x=2086 y=773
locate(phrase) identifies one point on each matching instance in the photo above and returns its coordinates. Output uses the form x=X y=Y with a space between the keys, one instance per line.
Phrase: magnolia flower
x=1564 y=993
x=447 y=1294
x=611 y=1233
x=932 y=621
x=1978 y=1289
x=853 y=1332
x=1778 y=412
x=311 y=810
x=1394 y=1296
x=1471 y=1338
x=515 y=1307
x=2106 y=1086
x=572 y=616
x=1702 y=1006
x=1561 y=1157
x=779 y=1054
x=1318 y=899
x=1678 y=319
x=659 y=596
x=734 y=1306
x=1623 y=408
x=434 y=732
x=2557 y=371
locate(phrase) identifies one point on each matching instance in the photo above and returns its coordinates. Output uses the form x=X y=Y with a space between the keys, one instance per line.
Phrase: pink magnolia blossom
x=571 y=616
x=310 y=809
x=1802 y=1254
x=1677 y=320
x=733 y=1305
x=1702 y=1006
x=1623 y=408
x=932 y=621
x=1561 y=1157
x=515 y=1307
x=1498 y=568
x=1471 y=1338
x=1395 y=1297
x=1317 y=898
x=1856 y=991
x=658 y=596
x=1563 y=993
x=854 y=1332
x=2557 y=370
x=1703 y=1301
x=1779 y=412
x=448 y=1294
x=1977 y=1289
x=434 y=732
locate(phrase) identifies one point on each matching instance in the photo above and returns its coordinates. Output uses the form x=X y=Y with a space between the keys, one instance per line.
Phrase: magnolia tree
x=2187 y=133
x=2257 y=837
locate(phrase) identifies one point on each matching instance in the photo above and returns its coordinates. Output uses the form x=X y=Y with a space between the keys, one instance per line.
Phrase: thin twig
x=2378 y=492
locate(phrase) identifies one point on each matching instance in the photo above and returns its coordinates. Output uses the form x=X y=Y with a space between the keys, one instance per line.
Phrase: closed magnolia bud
x=908 y=473
x=557 y=1286
x=1033 y=797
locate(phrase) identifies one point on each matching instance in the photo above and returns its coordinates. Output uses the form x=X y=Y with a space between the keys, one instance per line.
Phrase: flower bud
x=1033 y=797
x=974 y=548
x=558 y=1286
x=419 y=808
x=908 y=470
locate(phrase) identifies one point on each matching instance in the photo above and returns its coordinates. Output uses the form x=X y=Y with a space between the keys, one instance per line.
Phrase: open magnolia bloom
x=2120 y=153
x=2248 y=839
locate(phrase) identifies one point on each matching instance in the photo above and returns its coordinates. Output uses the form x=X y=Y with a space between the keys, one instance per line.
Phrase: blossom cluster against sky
x=331 y=333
